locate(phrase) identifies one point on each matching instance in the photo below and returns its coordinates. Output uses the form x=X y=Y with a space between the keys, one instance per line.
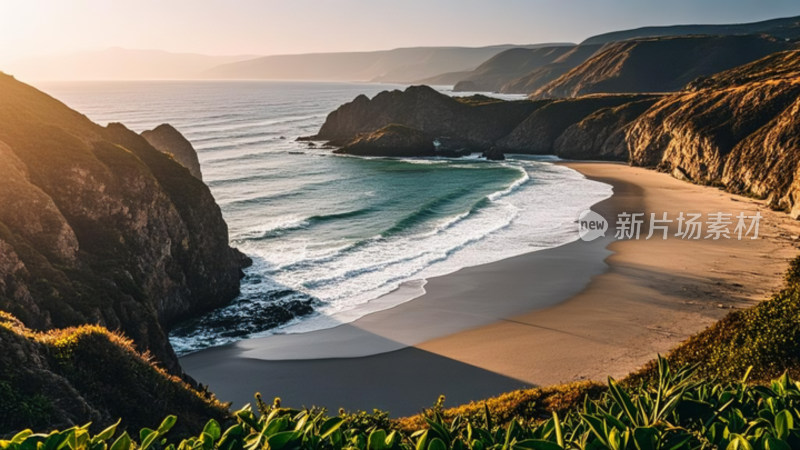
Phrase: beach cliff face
x=97 y=226
x=737 y=129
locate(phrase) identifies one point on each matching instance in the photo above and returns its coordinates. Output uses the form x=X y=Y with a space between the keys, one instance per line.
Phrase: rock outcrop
x=391 y=140
x=99 y=227
x=166 y=139
x=478 y=121
x=659 y=64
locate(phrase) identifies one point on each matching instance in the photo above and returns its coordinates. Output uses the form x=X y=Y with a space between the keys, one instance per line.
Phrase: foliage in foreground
x=676 y=412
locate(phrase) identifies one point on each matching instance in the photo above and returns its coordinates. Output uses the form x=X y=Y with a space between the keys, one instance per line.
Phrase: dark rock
x=493 y=154
x=538 y=133
x=391 y=140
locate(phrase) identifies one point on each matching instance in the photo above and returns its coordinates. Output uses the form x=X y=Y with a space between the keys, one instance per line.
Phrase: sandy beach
x=584 y=310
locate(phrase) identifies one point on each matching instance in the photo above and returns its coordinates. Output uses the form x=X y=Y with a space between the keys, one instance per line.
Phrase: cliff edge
x=99 y=227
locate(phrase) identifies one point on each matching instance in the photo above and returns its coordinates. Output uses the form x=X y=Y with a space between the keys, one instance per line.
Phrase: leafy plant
x=676 y=411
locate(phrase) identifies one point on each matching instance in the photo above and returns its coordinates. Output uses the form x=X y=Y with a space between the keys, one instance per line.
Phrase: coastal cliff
x=99 y=227
x=737 y=129
x=508 y=65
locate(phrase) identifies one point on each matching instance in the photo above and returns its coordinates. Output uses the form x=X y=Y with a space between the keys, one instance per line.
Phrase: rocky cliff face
x=97 y=226
x=737 y=129
x=167 y=139
x=659 y=64
x=602 y=133
x=538 y=133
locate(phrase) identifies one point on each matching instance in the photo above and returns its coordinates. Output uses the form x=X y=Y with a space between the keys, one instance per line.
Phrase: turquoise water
x=329 y=234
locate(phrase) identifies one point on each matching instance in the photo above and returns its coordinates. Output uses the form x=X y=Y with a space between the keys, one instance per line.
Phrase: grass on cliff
x=57 y=377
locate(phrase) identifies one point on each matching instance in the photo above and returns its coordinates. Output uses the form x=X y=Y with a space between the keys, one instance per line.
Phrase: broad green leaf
x=437 y=444
x=213 y=429
x=122 y=443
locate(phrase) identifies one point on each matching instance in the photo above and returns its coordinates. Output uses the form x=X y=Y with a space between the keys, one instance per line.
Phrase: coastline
x=579 y=311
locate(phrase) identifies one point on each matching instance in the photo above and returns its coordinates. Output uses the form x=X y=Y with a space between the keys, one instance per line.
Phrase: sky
x=30 y=28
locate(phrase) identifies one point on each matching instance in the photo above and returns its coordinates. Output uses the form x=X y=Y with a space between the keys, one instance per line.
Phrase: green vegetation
x=677 y=411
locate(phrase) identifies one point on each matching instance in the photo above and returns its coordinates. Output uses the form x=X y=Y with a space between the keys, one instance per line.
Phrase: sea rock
x=167 y=139
x=493 y=154
x=98 y=226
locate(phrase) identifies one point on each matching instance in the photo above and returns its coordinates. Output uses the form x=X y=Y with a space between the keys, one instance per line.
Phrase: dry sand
x=580 y=311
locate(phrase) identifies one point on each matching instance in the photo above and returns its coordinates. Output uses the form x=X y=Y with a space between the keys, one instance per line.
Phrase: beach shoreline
x=580 y=311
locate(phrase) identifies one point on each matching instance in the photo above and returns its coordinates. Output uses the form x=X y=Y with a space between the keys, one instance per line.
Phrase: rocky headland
x=100 y=228
x=737 y=128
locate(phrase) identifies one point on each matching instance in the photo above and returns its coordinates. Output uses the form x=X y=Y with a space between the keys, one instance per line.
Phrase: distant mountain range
x=119 y=64
x=504 y=68
x=402 y=65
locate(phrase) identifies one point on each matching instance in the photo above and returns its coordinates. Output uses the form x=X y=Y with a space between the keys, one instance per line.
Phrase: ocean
x=330 y=234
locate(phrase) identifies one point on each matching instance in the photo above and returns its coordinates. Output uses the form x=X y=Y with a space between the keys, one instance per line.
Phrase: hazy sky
x=43 y=27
